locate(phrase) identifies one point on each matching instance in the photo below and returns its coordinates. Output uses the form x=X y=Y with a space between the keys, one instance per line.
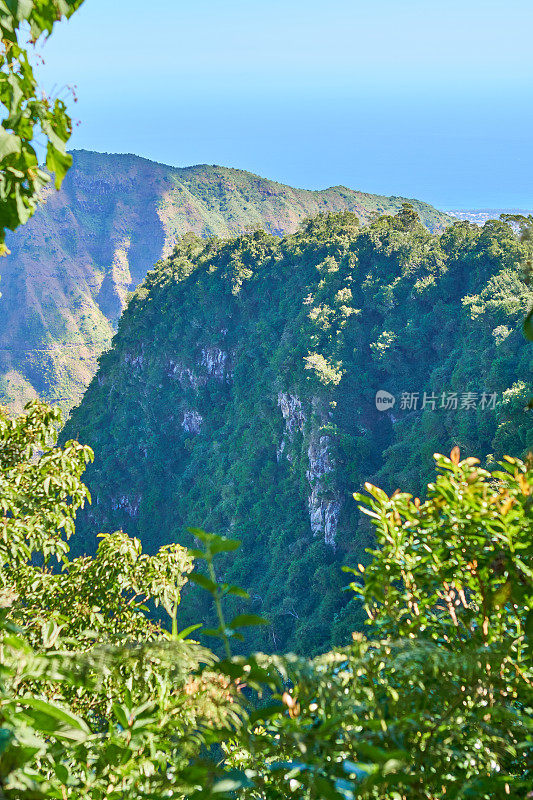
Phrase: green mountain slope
x=240 y=395
x=65 y=283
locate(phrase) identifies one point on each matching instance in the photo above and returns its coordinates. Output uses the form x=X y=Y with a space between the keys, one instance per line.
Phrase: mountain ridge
x=72 y=265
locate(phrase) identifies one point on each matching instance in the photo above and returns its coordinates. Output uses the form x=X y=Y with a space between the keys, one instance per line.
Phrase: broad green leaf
x=199 y=533
x=246 y=620
x=196 y=553
x=235 y=590
x=122 y=715
x=51 y=717
x=203 y=581
x=223 y=545
x=58 y=162
x=186 y=631
x=9 y=143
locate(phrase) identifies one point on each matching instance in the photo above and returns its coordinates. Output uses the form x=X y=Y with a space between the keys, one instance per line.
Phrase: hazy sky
x=423 y=98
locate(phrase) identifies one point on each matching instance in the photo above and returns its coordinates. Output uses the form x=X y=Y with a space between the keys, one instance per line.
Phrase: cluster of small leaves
x=40 y=488
x=101 y=599
x=439 y=702
x=96 y=699
x=28 y=112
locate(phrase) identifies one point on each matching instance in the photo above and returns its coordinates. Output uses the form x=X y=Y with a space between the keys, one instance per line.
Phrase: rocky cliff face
x=295 y=419
x=324 y=499
x=216 y=364
x=192 y=421
x=128 y=505
x=66 y=282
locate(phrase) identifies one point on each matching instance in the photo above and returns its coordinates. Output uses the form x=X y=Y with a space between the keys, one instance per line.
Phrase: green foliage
x=326 y=372
x=205 y=411
x=525 y=229
x=528 y=326
x=40 y=488
x=454 y=567
x=96 y=699
x=435 y=703
x=28 y=112
x=213 y=545
x=438 y=702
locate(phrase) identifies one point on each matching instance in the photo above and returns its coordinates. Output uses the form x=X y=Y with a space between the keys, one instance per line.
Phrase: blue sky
x=427 y=99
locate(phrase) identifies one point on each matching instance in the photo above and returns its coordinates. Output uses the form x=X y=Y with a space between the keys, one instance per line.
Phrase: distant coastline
x=480 y=215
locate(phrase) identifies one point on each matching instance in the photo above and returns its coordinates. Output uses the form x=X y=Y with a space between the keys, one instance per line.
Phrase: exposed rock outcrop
x=184 y=375
x=192 y=421
x=129 y=504
x=213 y=363
x=134 y=361
x=325 y=499
x=293 y=414
x=216 y=363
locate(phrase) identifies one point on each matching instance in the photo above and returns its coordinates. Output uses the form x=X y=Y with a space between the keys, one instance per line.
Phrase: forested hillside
x=240 y=395
x=315 y=412
x=65 y=282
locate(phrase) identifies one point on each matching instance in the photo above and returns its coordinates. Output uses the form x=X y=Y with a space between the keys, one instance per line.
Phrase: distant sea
x=480 y=215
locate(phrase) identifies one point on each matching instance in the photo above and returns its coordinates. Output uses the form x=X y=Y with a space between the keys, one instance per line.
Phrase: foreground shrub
x=437 y=702
x=99 y=700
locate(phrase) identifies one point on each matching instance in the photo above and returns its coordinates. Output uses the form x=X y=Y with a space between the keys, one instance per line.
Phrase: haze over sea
x=409 y=98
